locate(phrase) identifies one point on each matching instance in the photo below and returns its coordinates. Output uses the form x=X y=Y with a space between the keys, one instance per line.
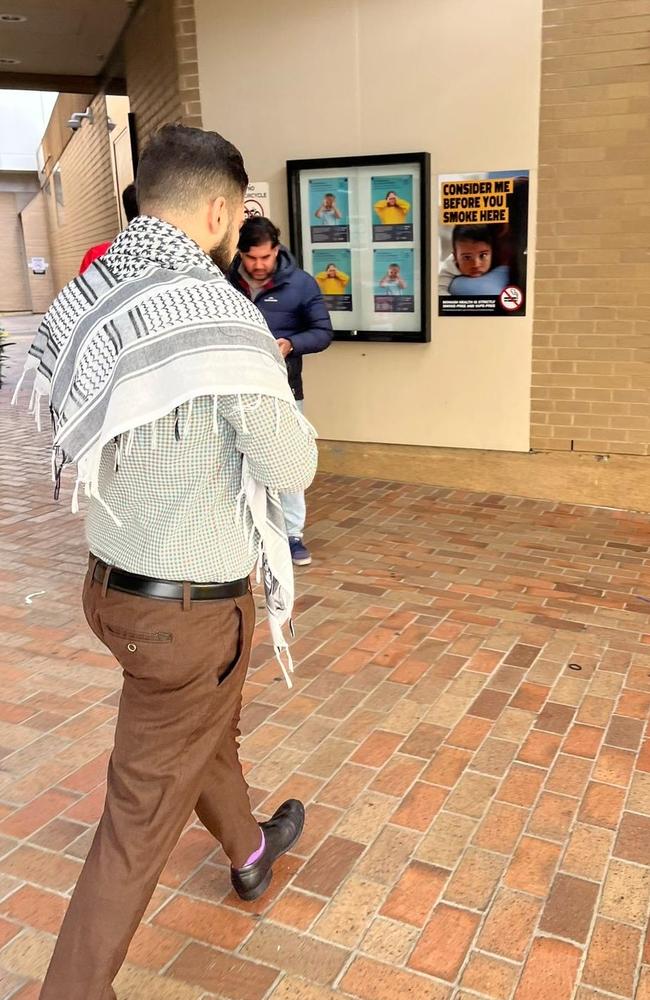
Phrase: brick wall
x=161 y=66
x=14 y=290
x=57 y=134
x=592 y=307
x=162 y=78
x=88 y=214
x=37 y=244
x=188 y=65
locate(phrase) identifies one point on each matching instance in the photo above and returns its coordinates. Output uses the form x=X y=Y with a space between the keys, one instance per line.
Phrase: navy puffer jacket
x=294 y=309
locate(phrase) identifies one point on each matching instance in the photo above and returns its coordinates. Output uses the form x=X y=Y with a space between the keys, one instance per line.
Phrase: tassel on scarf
x=288 y=668
x=186 y=425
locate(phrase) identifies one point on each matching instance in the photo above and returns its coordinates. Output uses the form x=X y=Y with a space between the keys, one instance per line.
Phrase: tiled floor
x=469 y=728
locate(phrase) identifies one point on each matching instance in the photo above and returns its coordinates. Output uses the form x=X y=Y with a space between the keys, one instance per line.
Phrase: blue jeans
x=294 y=506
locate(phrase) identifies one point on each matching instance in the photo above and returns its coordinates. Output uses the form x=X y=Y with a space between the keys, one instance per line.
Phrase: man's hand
x=286 y=347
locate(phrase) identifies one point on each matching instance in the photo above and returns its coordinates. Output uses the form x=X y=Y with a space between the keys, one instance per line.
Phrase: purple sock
x=256 y=855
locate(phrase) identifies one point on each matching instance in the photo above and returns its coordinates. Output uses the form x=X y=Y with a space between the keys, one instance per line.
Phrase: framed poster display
x=361 y=226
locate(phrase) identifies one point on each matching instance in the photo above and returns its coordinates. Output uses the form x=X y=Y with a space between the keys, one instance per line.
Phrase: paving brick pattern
x=469 y=729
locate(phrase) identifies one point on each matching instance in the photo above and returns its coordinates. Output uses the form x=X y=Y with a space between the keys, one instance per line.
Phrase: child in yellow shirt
x=331 y=281
x=392 y=210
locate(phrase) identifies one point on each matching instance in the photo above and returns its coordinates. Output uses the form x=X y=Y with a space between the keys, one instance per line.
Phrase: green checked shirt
x=174 y=488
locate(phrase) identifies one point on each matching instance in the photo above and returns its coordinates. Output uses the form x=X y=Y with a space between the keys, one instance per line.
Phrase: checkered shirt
x=175 y=489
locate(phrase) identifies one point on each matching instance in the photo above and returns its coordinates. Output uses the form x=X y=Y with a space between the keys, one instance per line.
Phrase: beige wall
x=37 y=244
x=459 y=78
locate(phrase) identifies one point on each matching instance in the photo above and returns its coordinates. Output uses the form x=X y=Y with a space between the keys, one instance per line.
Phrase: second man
x=295 y=311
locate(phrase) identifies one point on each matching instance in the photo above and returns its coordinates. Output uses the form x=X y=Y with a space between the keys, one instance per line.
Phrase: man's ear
x=218 y=215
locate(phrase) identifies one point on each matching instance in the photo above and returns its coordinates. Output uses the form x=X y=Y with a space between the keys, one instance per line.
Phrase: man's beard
x=221 y=254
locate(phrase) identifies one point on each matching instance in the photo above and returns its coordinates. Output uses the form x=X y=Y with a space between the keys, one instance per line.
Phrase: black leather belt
x=167 y=590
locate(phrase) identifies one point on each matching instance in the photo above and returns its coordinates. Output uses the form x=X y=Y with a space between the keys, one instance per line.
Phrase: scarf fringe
x=278 y=615
x=188 y=418
x=19 y=385
x=288 y=668
x=31 y=365
x=34 y=404
x=88 y=473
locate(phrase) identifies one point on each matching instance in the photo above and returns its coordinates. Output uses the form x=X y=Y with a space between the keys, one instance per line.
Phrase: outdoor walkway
x=467 y=726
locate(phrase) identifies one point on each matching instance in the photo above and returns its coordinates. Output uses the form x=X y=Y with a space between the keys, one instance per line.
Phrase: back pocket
x=135 y=637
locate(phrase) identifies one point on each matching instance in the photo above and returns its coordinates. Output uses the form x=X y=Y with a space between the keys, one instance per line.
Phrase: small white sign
x=38 y=265
x=257 y=201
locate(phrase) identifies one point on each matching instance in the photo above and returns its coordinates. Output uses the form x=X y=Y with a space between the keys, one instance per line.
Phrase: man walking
x=293 y=306
x=170 y=395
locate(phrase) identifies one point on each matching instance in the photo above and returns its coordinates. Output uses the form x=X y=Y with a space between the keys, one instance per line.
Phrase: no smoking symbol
x=253 y=209
x=511 y=298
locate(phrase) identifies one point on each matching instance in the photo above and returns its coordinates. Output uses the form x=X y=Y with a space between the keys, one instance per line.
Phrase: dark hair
x=130 y=202
x=327 y=266
x=180 y=166
x=476 y=234
x=395 y=265
x=389 y=193
x=256 y=232
x=329 y=194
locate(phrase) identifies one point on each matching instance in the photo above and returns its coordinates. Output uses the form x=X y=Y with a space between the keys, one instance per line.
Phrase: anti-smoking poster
x=333 y=273
x=393 y=280
x=392 y=208
x=329 y=210
x=483 y=236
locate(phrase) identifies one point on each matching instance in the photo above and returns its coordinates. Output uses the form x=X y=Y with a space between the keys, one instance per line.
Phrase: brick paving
x=469 y=728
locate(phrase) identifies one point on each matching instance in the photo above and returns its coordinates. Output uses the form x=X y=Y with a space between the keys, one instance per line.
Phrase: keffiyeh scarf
x=151 y=325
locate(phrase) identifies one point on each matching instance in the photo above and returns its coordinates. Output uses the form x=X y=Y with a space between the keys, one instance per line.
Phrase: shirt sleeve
x=316 y=326
x=278 y=443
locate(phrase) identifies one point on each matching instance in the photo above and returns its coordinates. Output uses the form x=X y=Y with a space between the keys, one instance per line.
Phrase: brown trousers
x=175 y=751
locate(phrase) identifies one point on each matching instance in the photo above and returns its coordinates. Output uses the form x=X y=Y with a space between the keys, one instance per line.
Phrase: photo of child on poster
x=329 y=210
x=332 y=270
x=393 y=276
x=392 y=208
x=483 y=237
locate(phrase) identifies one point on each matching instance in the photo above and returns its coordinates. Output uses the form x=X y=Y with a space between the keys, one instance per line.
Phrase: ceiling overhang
x=69 y=47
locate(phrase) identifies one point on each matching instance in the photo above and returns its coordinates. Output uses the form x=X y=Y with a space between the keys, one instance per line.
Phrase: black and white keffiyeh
x=151 y=325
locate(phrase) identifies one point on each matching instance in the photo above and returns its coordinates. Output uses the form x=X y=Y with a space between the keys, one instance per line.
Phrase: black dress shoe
x=280 y=834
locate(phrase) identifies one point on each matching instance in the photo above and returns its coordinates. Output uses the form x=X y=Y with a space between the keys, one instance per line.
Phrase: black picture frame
x=295 y=171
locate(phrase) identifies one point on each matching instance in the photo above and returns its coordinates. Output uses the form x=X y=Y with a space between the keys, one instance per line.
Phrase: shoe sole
x=259 y=890
x=302 y=562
